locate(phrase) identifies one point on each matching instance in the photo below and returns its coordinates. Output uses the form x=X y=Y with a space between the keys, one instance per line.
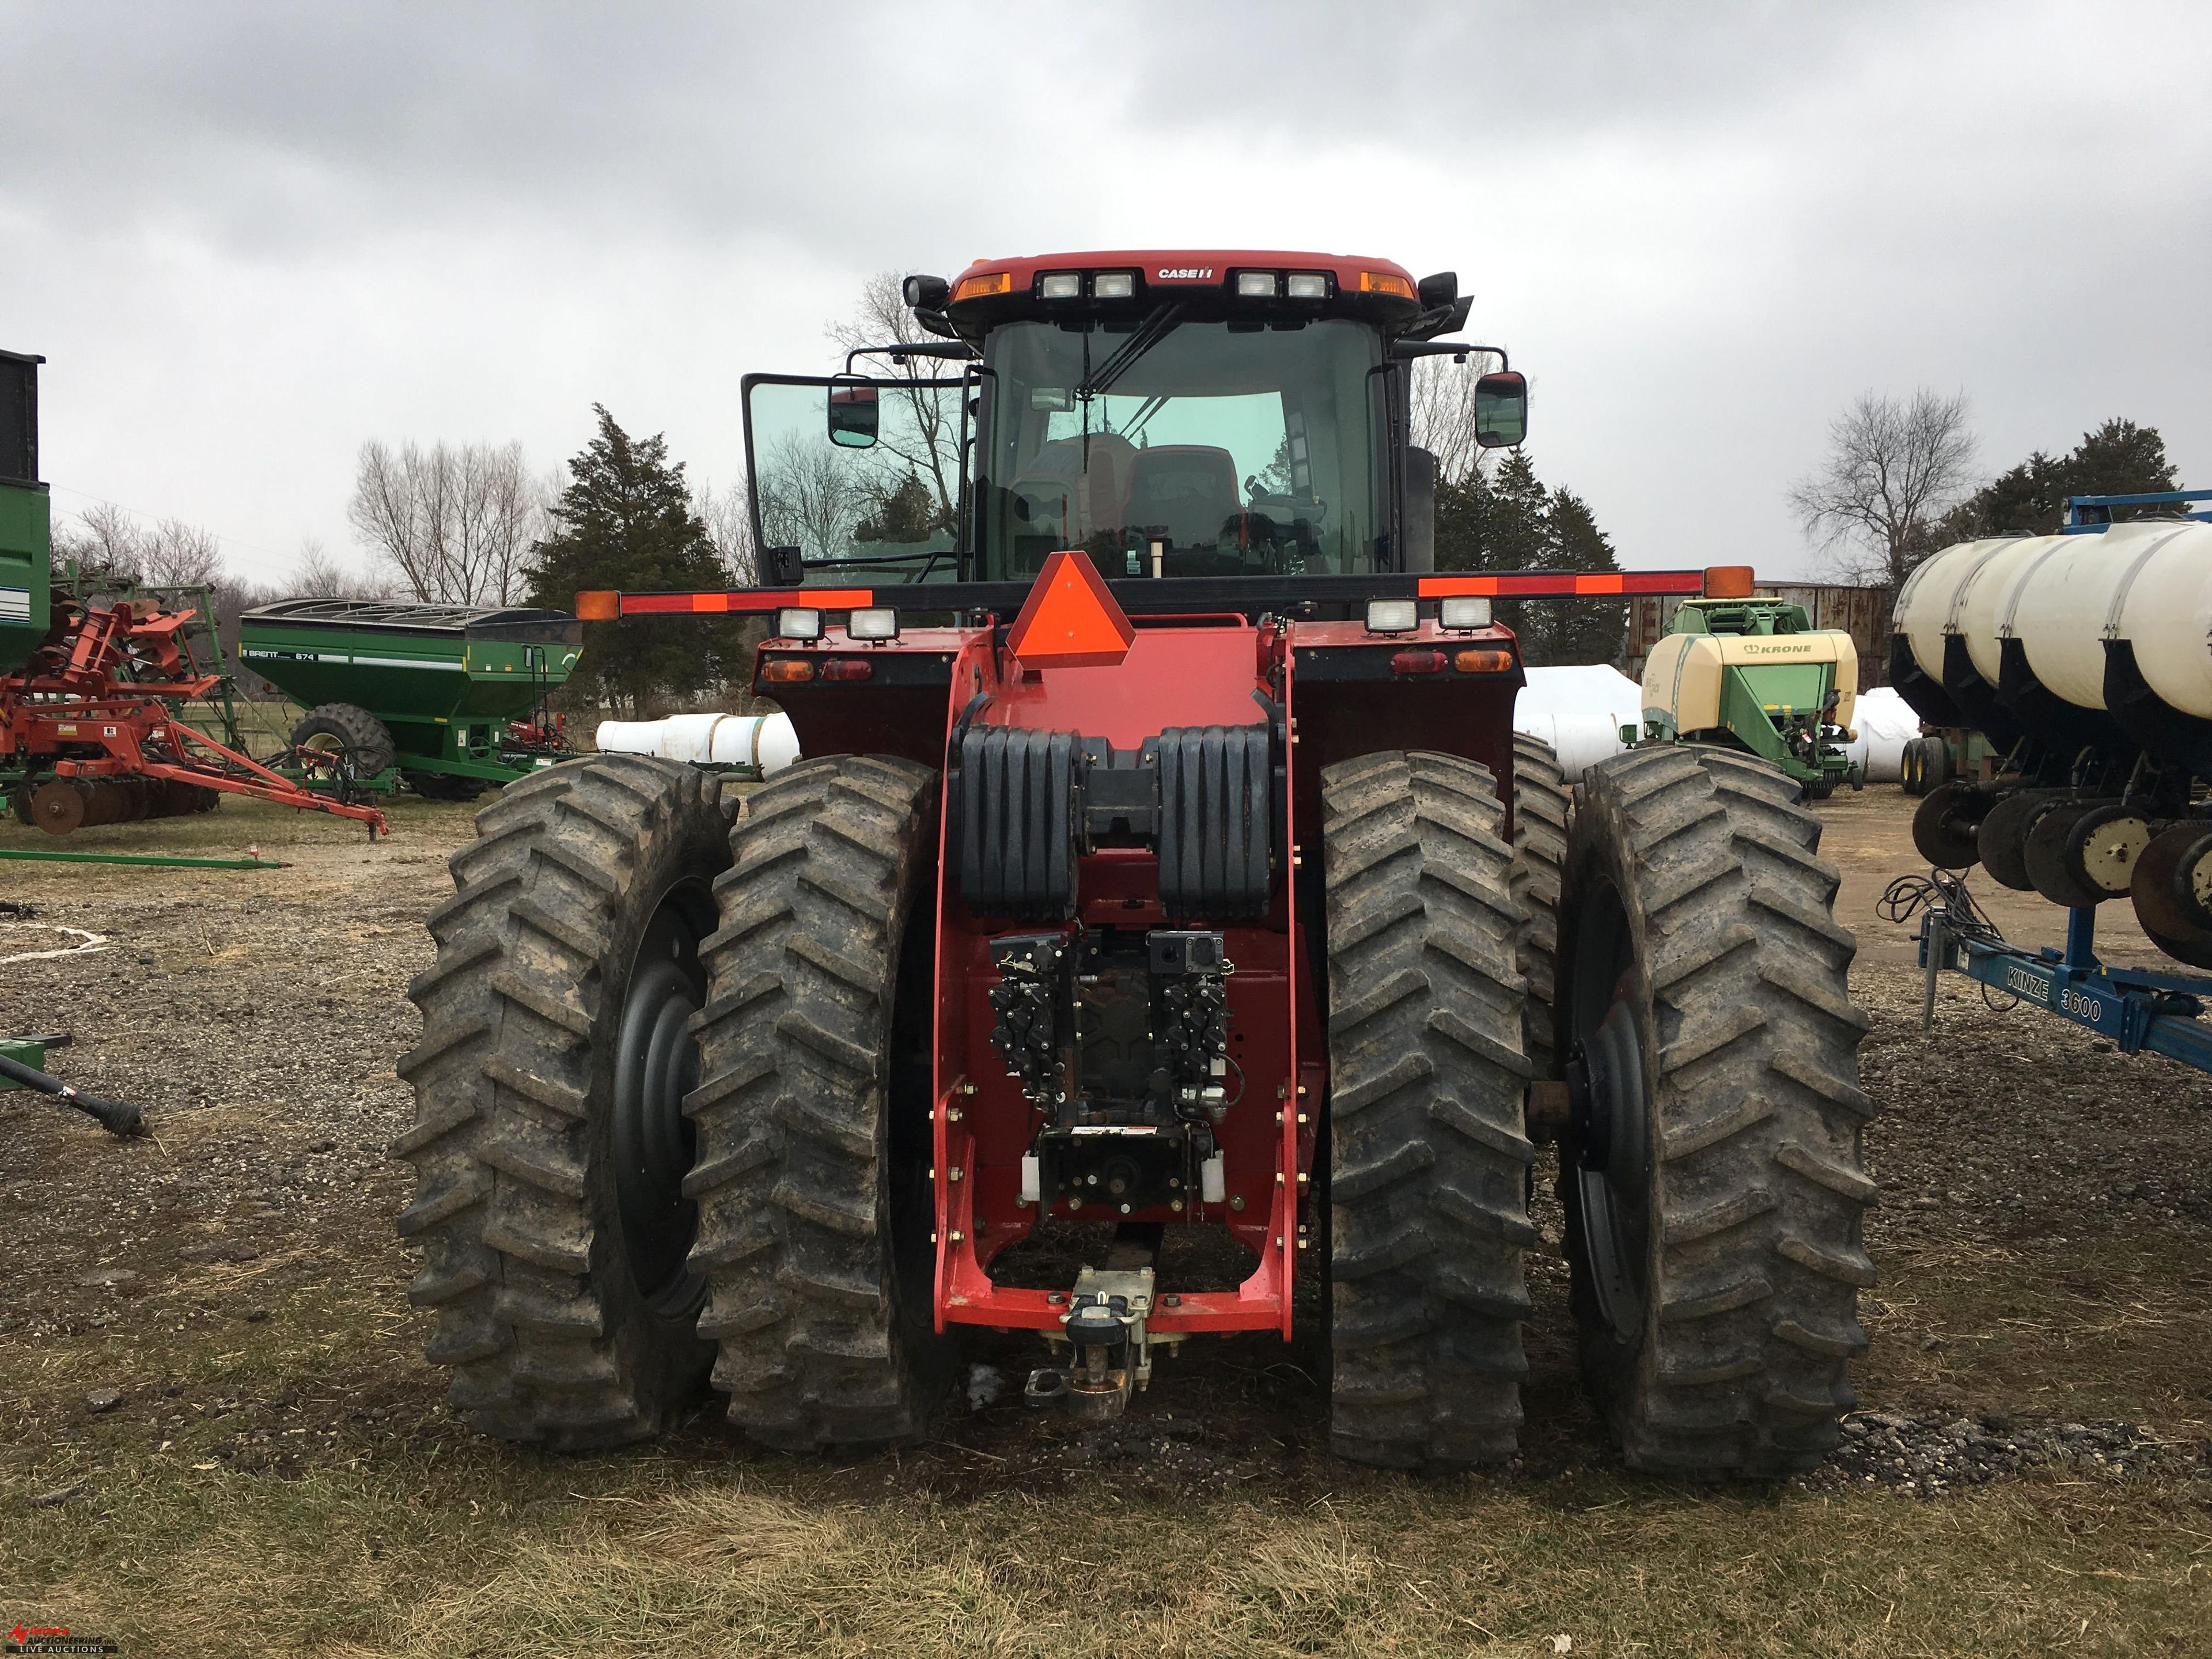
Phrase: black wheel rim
x=656 y=1064
x=1611 y=1129
x=1946 y=824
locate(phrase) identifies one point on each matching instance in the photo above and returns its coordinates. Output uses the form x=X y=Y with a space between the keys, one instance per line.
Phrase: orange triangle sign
x=1069 y=619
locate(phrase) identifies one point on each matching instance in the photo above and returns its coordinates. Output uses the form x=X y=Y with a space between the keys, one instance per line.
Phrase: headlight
x=1309 y=285
x=1392 y=616
x=1062 y=285
x=1256 y=284
x=878 y=624
x=798 y=623
x=1114 y=284
x=1464 y=613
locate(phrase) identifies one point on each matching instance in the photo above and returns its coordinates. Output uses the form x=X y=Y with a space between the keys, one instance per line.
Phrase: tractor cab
x=1173 y=415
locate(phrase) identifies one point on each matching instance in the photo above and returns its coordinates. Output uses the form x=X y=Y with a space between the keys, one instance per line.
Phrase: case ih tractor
x=1164 y=864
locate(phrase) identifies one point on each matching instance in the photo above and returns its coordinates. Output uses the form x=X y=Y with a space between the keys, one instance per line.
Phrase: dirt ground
x=217 y=1435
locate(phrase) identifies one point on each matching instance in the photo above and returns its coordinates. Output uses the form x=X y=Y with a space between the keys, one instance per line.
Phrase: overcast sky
x=248 y=238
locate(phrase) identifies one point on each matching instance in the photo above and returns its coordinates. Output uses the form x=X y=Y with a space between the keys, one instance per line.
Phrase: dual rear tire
x=673 y=1106
x=600 y=1231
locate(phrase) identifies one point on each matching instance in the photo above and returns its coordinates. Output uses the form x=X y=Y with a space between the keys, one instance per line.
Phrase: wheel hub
x=1610 y=1115
x=656 y=1065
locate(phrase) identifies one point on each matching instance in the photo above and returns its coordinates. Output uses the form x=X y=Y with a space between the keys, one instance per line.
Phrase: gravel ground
x=2043 y=1230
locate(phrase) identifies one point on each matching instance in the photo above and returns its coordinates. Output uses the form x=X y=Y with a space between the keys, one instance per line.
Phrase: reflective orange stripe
x=1562 y=587
x=817 y=599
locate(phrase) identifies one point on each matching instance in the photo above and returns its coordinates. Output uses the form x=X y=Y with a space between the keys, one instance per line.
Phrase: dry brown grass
x=512 y=1555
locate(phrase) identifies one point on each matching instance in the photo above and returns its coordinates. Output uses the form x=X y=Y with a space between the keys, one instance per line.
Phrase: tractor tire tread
x=502 y=1081
x=1760 y=1186
x=792 y=1109
x=1427 y=1197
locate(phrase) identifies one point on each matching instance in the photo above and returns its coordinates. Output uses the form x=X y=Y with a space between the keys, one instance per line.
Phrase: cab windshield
x=1214 y=449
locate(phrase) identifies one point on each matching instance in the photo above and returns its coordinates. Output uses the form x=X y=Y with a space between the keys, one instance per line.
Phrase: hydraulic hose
x=114 y=1116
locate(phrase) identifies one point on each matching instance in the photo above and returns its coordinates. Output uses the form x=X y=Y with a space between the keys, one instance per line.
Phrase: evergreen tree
x=626 y=521
x=906 y=513
x=2118 y=458
x=1512 y=521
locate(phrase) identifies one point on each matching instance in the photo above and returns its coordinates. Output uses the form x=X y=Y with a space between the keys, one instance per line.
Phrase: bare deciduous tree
x=454 y=521
x=103 y=538
x=172 y=554
x=179 y=555
x=1893 y=466
x=811 y=497
x=728 y=516
x=321 y=575
x=931 y=446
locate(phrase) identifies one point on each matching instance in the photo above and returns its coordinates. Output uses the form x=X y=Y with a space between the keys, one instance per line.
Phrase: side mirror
x=1501 y=410
x=853 y=413
x=783 y=567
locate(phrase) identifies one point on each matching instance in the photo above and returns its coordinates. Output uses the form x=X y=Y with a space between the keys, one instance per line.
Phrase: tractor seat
x=1185 y=494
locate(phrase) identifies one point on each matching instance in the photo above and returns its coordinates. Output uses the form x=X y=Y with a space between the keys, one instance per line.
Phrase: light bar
x=798 y=623
x=1061 y=285
x=880 y=624
x=1114 y=284
x=1392 y=616
x=1256 y=284
x=1309 y=285
x=1464 y=613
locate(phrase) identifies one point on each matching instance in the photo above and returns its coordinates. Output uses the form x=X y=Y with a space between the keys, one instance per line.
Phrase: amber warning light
x=598 y=606
x=1069 y=619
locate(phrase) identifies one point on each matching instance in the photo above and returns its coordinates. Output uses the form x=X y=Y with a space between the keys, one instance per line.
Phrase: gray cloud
x=250 y=236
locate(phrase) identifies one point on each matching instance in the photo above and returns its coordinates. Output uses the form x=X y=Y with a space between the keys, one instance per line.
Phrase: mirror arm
x=1440 y=319
x=959 y=351
x=1405 y=351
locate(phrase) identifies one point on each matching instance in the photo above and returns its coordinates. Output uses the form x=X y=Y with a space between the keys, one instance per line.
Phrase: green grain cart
x=24 y=532
x=448 y=698
x=1754 y=674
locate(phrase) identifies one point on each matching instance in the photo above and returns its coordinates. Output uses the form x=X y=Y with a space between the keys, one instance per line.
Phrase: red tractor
x=1163 y=861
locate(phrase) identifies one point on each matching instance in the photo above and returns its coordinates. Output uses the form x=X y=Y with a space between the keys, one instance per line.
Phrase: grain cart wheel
x=813 y=1185
x=1428 y=1161
x=549 y=1144
x=337 y=728
x=1543 y=806
x=1712 y=1176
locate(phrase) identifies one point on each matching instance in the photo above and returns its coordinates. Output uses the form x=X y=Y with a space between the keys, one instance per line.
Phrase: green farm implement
x=448 y=699
x=1755 y=675
x=24 y=539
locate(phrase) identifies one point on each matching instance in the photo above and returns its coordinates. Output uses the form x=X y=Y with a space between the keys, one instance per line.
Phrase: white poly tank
x=1979 y=608
x=761 y=745
x=2148 y=583
x=1926 y=604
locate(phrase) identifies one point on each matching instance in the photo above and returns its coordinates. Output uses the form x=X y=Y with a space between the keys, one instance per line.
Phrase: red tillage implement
x=95 y=707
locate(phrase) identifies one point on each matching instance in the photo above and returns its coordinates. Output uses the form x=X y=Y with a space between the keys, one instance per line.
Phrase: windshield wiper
x=1151 y=333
